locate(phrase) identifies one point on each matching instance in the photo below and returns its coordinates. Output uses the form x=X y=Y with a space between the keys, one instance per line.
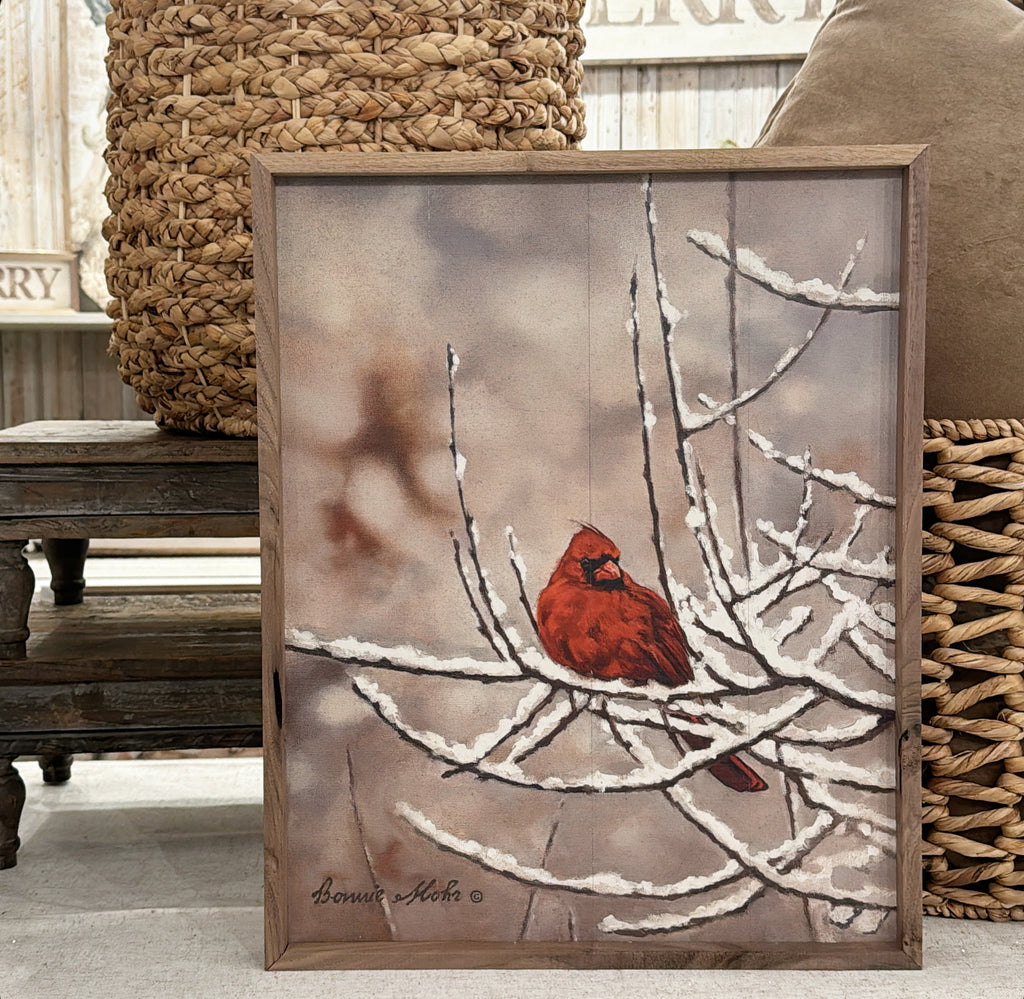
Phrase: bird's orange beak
x=607 y=571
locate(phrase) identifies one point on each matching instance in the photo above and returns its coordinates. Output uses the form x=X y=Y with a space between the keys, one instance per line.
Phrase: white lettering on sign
x=628 y=31
x=36 y=282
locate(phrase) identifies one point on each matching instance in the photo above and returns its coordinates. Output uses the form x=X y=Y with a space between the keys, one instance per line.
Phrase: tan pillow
x=950 y=73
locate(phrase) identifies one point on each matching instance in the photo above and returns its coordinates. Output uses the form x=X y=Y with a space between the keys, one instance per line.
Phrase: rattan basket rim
x=973 y=430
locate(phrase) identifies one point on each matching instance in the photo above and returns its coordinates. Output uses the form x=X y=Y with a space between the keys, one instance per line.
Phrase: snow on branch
x=813 y=292
x=402 y=659
x=535 y=666
x=652 y=775
x=605 y=883
x=811 y=669
x=715 y=721
x=776 y=867
x=687 y=421
x=862 y=728
x=869 y=820
x=736 y=901
x=459 y=754
x=816 y=789
x=880 y=568
x=870 y=618
x=848 y=482
x=825 y=766
x=808 y=880
x=544 y=729
x=872 y=653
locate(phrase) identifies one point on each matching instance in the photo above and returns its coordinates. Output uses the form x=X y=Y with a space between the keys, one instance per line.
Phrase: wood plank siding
x=681 y=105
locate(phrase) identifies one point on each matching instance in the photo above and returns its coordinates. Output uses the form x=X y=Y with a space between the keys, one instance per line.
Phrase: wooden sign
x=637 y=31
x=590 y=599
x=37 y=282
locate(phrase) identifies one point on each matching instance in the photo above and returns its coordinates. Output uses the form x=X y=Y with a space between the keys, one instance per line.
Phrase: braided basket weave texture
x=973 y=661
x=198 y=87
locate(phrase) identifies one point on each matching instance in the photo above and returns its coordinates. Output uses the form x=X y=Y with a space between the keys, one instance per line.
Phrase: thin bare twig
x=734 y=377
x=361 y=832
x=515 y=560
x=471 y=533
x=528 y=915
x=481 y=623
x=646 y=425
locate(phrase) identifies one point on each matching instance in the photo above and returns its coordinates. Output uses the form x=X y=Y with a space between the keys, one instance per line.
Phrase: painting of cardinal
x=503 y=731
x=595 y=619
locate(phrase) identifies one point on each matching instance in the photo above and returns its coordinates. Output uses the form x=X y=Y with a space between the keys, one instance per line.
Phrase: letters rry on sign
x=37 y=282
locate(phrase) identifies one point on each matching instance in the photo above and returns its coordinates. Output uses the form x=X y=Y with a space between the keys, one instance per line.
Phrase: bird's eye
x=586 y=564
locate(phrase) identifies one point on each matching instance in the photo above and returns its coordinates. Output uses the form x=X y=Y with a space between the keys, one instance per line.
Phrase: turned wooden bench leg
x=12 y=800
x=56 y=768
x=17 y=584
x=66 y=557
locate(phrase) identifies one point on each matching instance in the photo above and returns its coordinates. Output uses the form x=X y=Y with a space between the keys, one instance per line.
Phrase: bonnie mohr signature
x=432 y=891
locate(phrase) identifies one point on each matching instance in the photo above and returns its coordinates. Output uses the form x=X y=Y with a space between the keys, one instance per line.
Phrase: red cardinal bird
x=593 y=618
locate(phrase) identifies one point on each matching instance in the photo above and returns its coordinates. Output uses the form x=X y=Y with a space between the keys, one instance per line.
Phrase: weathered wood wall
x=681 y=105
x=33 y=127
x=52 y=99
x=60 y=373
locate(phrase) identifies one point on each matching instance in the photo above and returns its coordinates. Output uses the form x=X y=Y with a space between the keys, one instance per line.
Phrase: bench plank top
x=86 y=442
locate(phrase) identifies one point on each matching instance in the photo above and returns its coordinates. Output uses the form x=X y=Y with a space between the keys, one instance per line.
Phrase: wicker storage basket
x=973 y=658
x=197 y=87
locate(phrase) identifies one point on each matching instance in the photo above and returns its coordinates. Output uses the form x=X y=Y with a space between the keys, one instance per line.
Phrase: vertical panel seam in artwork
x=590 y=439
x=590 y=359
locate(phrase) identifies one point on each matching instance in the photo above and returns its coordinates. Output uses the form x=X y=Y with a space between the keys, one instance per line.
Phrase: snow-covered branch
x=604 y=883
x=814 y=292
x=402 y=659
x=535 y=665
x=861 y=728
x=653 y=775
x=807 y=880
x=689 y=423
x=880 y=568
x=736 y=901
x=775 y=867
x=456 y=753
x=848 y=482
x=544 y=729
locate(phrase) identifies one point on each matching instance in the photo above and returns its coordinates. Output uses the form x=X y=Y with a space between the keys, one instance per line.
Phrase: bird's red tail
x=730 y=770
x=734 y=773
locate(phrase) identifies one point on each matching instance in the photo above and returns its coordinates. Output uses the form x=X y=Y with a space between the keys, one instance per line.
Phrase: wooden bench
x=137 y=672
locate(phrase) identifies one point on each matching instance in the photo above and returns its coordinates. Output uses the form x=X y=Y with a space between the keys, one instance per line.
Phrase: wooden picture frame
x=475 y=370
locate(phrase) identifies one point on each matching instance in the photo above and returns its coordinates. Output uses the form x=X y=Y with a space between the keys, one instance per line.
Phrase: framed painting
x=590 y=517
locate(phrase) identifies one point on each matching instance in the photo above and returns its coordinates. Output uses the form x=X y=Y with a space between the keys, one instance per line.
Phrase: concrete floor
x=142 y=878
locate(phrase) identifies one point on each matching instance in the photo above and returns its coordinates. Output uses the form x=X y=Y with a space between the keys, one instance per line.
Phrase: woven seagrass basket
x=973 y=660
x=197 y=87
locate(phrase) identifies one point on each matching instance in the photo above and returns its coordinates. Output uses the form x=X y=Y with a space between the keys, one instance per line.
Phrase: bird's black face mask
x=602 y=573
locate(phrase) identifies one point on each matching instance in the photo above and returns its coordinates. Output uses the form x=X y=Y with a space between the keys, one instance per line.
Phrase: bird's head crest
x=589 y=541
x=592 y=558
